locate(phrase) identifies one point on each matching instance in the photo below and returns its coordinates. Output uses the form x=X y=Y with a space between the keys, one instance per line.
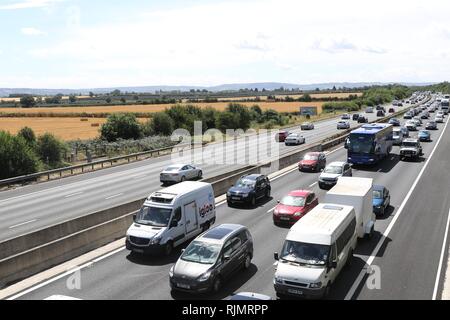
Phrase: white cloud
x=32 y=32
x=26 y=4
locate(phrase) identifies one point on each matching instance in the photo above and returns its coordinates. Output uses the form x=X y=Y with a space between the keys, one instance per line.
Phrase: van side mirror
x=333 y=264
x=134 y=217
x=183 y=250
x=275 y=256
x=226 y=257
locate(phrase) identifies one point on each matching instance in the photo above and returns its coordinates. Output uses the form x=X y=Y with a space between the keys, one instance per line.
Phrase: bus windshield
x=361 y=143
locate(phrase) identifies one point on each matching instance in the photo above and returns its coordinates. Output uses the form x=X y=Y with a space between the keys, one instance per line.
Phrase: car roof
x=253 y=176
x=338 y=163
x=176 y=165
x=314 y=153
x=299 y=193
x=220 y=233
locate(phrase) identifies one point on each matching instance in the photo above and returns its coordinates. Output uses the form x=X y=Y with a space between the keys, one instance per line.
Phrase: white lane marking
x=73 y=194
x=313 y=184
x=384 y=235
x=114 y=196
x=438 y=275
x=108 y=254
x=269 y=211
x=21 y=224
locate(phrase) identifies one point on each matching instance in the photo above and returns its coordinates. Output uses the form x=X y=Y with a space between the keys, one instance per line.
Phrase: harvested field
x=296 y=96
x=64 y=128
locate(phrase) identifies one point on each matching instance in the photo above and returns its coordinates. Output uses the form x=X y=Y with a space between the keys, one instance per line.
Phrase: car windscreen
x=409 y=144
x=333 y=169
x=310 y=157
x=377 y=194
x=154 y=216
x=305 y=253
x=361 y=143
x=172 y=168
x=245 y=183
x=201 y=252
x=293 y=201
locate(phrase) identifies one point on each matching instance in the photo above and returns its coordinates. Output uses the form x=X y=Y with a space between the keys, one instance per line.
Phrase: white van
x=316 y=249
x=172 y=216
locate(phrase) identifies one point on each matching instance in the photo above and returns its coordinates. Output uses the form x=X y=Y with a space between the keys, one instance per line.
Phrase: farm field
x=64 y=128
x=279 y=106
x=296 y=96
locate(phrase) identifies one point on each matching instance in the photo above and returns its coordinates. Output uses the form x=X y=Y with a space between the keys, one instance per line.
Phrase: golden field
x=296 y=96
x=279 y=106
x=64 y=128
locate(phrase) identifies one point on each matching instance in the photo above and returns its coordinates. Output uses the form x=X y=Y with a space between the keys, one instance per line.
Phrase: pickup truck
x=410 y=148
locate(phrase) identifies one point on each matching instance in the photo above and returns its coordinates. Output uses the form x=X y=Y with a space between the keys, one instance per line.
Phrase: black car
x=380 y=113
x=362 y=119
x=249 y=189
x=395 y=122
x=355 y=117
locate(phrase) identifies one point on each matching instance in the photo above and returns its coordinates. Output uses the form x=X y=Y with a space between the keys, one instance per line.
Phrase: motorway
x=30 y=208
x=408 y=255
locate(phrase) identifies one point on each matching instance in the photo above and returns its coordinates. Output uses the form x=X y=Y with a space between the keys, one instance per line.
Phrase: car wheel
x=217 y=284
x=200 y=174
x=168 y=248
x=253 y=201
x=268 y=193
x=382 y=212
x=247 y=261
x=183 y=178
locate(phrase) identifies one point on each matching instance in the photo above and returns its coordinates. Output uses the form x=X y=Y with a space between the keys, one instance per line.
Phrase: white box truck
x=358 y=193
x=172 y=216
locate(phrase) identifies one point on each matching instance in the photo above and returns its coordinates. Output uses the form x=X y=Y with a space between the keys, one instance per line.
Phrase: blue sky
x=82 y=44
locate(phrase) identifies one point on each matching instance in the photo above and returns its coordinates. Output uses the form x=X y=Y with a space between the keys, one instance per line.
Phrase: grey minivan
x=211 y=258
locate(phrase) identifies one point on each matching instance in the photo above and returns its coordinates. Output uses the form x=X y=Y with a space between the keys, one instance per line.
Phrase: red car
x=281 y=136
x=294 y=206
x=313 y=161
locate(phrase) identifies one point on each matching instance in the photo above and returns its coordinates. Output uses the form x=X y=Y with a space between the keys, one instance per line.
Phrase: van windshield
x=305 y=253
x=201 y=252
x=154 y=216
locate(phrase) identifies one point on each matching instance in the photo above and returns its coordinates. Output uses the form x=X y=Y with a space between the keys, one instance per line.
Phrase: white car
x=294 y=138
x=411 y=125
x=307 y=126
x=179 y=173
x=439 y=118
x=343 y=125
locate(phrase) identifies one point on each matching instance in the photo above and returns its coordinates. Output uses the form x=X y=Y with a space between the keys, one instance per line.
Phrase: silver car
x=411 y=125
x=179 y=173
x=307 y=126
x=439 y=118
x=328 y=178
x=397 y=136
x=343 y=125
x=294 y=138
x=212 y=258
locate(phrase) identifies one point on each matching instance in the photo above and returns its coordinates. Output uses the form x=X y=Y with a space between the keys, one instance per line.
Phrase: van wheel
x=168 y=248
x=348 y=263
x=369 y=236
x=247 y=261
x=217 y=284
x=205 y=226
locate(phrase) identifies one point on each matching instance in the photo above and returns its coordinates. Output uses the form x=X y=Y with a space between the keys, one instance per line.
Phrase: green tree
x=50 y=149
x=227 y=120
x=17 y=158
x=91 y=94
x=161 y=124
x=28 y=135
x=27 y=101
x=73 y=98
x=242 y=113
x=121 y=126
x=108 y=100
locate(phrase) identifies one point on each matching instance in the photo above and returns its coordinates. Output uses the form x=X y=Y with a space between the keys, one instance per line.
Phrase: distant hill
x=5 y=92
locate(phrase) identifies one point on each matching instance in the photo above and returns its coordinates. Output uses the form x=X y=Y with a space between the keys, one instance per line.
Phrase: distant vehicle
x=411 y=125
x=445 y=105
x=424 y=135
x=212 y=258
x=397 y=136
x=380 y=113
x=249 y=189
x=417 y=121
x=381 y=200
x=400 y=104
x=441 y=113
x=379 y=107
x=407 y=115
x=369 y=144
x=369 y=110
x=249 y=296
x=431 y=125
x=345 y=116
x=391 y=110
x=328 y=178
x=313 y=161
x=294 y=139
x=308 y=263
x=439 y=118
x=307 y=126
x=172 y=216
x=343 y=125
x=411 y=148
x=281 y=136
x=424 y=116
x=362 y=119
x=294 y=206
x=355 y=116
x=395 y=122
x=408 y=102
x=405 y=132
x=180 y=172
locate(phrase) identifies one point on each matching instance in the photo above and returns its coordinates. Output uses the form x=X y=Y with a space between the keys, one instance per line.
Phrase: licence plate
x=184 y=286
x=138 y=250
x=284 y=218
x=235 y=198
x=295 y=291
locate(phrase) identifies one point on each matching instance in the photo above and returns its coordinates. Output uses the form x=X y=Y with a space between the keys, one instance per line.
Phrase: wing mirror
x=174 y=223
x=226 y=257
x=275 y=256
x=333 y=264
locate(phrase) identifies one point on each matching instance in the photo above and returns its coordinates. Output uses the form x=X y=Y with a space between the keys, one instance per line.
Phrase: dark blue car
x=381 y=200
x=249 y=189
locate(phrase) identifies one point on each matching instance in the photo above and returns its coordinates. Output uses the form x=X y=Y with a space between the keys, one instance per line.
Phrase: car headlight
x=277 y=279
x=171 y=272
x=228 y=194
x=155 y=240
x=298 y=214
x=316 y=285
x=205 y=276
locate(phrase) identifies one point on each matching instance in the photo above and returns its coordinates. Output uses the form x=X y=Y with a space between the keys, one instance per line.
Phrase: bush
x=27 y=101
x=50 y=149
x=28 y=135
x=17 y=157
x=121 y=125
x=341 y=106
x=161 y=124
x=242 y=115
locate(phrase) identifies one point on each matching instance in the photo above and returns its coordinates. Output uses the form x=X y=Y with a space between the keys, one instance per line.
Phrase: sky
x=98 y=43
